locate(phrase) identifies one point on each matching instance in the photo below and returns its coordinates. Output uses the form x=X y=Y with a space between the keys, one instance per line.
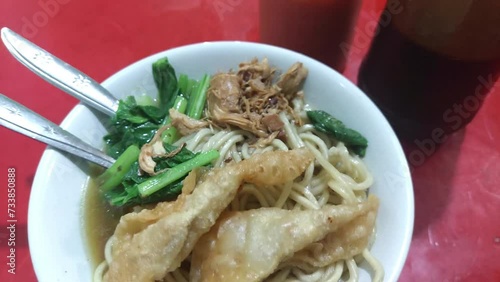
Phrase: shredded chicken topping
x=185 y=124
x=155 y=149
x=251 y=100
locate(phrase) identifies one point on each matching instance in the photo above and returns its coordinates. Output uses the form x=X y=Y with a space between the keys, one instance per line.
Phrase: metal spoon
x=23 y=120
x=59 y=73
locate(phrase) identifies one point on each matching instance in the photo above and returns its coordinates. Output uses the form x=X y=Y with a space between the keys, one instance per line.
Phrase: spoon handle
x=59 y=73
x=23 y=120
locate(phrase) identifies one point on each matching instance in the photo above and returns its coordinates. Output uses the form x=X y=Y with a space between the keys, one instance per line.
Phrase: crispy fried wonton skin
x=249 y=245
x=151 y=243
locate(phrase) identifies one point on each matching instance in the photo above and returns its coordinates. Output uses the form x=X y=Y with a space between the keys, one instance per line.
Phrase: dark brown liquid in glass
x=420 y=90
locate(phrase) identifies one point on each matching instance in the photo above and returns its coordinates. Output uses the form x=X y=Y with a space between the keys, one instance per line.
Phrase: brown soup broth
x=100 y=220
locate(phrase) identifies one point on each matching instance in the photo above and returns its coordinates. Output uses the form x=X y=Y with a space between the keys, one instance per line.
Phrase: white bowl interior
x=55 y=228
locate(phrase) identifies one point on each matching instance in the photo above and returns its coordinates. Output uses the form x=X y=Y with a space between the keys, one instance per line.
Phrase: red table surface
x=457 y=189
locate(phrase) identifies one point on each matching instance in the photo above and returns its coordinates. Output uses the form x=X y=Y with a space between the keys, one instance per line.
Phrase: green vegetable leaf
x=198 y=98
x=123 y=134
x=129 y=110
x=185 y=85
x=170 y=135
x=164 y=186
x=135 y=124
x=157 y=182
x=326 y=123
x=129 y=195
x=182 y=156
x=166 y=82
x=114 y=175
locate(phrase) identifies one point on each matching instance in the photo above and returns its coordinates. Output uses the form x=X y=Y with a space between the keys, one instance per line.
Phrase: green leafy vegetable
x=114 y=175
x=182 y=156
x=130 y=111
x=196 y=92
x=163 y=186
x=166 y=82
x=136 y=123
x=326 y=123
x=161 y=180
x=198 y=98
x=132 y=125
x=171 y=135
x=186 y=86
x=129 y=195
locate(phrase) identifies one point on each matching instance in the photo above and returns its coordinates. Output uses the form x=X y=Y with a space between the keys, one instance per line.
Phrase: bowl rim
x=48 y=153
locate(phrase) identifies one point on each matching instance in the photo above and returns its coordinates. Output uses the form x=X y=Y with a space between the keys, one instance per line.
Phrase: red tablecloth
x=457 y=189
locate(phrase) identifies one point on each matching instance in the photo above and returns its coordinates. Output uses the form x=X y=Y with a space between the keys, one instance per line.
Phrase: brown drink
x=321 y=29
x=431 y=67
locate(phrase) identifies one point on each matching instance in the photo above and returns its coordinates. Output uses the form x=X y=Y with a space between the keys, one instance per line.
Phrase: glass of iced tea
x=432 y=63
x=321 y=29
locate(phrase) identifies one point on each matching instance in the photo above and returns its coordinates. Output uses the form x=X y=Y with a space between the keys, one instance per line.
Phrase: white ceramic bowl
x=55 y=219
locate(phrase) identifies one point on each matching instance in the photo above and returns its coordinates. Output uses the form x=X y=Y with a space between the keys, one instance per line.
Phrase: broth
x=100 y=220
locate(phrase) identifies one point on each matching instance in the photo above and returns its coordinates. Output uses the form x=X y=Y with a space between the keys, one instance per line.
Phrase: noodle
x=375 y=264
x=335 y=178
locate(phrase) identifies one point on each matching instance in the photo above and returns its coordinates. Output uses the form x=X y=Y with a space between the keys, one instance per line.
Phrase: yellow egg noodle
x=336 y=177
